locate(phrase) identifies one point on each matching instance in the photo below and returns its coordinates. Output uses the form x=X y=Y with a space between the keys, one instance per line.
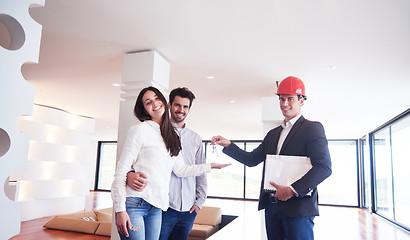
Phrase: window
x=383 y=172
x=237 y=180
x=253 y=175
x=390 y=146
x=227 y=182
x=341 y=188
x=365 y=172
x=106 y=162
x=242 y=182
x=400 y=140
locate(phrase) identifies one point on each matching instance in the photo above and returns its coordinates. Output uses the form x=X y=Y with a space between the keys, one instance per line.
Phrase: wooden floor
x=334 y=223
x=33 y=229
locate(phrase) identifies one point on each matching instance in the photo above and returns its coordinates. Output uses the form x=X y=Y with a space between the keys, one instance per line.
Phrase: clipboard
x=284 y=170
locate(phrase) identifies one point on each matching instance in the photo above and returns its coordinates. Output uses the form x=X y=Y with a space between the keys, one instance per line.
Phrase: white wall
x=57 y=176
x=270 y=117
x=93 y=163
x=19 y=43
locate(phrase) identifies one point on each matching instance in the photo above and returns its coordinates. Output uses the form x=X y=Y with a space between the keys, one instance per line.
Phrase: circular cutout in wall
x=4 y=142
x=12 y=36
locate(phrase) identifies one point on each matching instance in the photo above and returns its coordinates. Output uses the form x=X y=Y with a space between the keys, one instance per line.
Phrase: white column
x=140 y=70
x=19 y=43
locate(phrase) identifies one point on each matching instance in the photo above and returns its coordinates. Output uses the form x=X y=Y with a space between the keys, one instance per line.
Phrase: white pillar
x=140 y=70
x=19 y=43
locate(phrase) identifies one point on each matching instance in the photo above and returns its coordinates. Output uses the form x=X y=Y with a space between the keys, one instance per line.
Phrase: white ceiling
x=247 y=45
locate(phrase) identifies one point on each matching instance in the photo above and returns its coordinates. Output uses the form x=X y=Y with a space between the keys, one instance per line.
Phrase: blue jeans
x=176 y=225
x=281 y=227
x=145 y=220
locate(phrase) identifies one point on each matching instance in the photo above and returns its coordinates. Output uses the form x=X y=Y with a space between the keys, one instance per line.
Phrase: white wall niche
x=12 y=36
x=4 y=142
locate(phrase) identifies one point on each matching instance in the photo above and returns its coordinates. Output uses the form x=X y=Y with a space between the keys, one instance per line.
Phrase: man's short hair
x=299 y=97
x=181 y=92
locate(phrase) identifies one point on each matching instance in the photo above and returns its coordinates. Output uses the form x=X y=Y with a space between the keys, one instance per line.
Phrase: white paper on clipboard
x=285 y=170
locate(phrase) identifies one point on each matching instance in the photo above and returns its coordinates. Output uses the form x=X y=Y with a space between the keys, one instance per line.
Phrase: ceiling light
x=211 y=77
x=116 y=84
x=233 y=101
x=331 y=68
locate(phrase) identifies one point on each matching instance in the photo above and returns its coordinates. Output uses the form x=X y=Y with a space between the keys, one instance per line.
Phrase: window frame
x=98 y=165
x=373 y=166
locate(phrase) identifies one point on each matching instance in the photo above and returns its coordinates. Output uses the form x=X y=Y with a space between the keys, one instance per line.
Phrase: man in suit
x=289 y=213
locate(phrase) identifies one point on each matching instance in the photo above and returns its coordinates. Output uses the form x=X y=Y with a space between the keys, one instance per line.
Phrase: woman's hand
x=123 y=223
x=219 y=165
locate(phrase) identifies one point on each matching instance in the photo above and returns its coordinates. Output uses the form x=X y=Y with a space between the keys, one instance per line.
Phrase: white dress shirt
x=286 y=127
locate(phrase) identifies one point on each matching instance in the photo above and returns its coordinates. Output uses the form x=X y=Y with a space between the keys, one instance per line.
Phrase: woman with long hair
x=151 y=147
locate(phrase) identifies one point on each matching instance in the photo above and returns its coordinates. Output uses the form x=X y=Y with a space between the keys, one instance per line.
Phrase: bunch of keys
x=215 y=151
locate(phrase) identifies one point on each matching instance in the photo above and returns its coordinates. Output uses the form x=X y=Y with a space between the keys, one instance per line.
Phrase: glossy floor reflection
x=333 y=223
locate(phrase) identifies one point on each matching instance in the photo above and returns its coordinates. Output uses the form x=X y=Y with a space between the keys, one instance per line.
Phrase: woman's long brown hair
x=170 y=137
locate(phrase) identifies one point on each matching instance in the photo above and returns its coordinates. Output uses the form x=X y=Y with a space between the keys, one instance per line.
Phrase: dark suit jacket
x=306 y=138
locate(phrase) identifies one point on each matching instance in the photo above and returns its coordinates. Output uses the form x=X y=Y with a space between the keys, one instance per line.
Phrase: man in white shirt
x=187 y=195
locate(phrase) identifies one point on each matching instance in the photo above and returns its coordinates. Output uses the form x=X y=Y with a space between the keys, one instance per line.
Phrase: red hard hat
x=291 y=85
